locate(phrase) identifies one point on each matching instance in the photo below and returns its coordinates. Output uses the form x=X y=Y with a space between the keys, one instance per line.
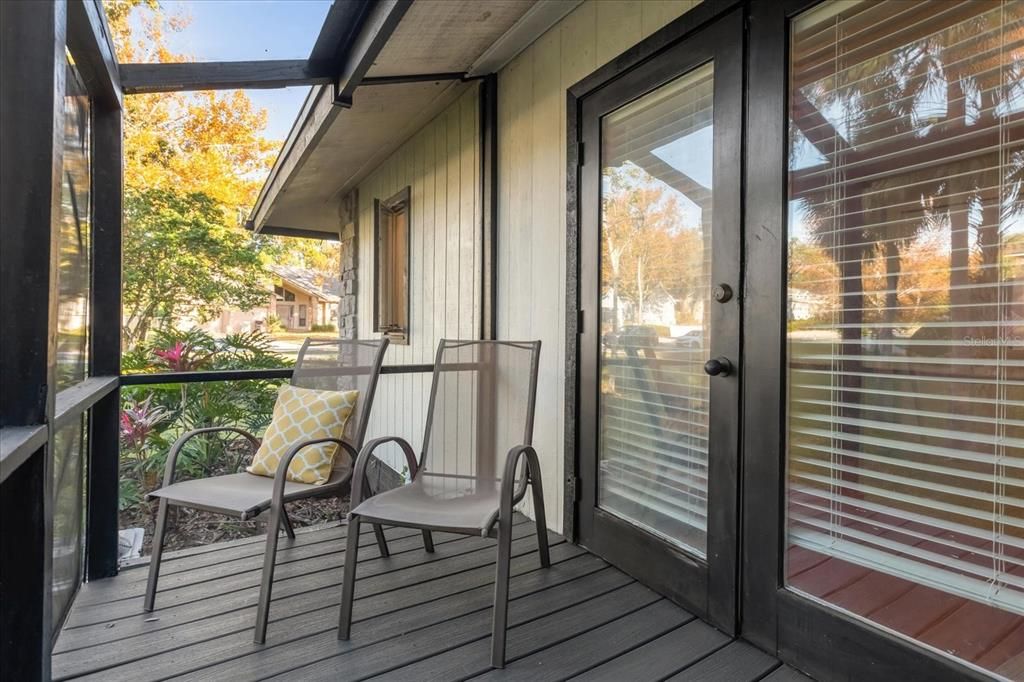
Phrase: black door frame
x=809 y=635
x=706 y=586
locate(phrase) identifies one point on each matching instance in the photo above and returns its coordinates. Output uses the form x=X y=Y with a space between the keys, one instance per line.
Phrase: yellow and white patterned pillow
x=302 y=414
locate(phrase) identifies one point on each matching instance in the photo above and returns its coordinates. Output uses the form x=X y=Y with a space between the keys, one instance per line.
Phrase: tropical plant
x=154 y=416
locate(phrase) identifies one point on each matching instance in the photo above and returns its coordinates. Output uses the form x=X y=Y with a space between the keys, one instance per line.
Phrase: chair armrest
x=511 y=494
x=172 y=456
x=281 y=475
x=359 y=474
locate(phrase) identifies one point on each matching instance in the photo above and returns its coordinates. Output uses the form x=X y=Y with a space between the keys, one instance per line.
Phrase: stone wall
x=347 y=321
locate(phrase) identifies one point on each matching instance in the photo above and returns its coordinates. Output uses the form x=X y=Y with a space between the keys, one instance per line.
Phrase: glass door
x=660 y=263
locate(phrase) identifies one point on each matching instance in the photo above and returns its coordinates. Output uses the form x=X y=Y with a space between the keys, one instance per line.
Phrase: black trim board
x=269 y=73
x=489 y=197
x=102 y=474
x=296 y=232
x=90 y=43
x=379 y=24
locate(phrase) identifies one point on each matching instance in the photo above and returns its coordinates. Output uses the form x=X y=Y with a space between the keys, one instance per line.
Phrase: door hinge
x=579 y=153
x=579 y=321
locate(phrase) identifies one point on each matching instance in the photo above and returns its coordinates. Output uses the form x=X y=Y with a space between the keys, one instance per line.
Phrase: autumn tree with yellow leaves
x=194 y=163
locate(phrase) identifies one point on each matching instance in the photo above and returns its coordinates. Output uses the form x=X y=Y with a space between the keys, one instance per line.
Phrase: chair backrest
x=482 y=401
x=343 y=365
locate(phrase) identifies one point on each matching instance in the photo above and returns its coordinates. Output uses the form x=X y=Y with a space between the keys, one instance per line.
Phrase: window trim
x=395 y=204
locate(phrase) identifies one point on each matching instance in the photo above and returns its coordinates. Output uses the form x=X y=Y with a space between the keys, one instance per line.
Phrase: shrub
x=324 y=328
x=153 y=417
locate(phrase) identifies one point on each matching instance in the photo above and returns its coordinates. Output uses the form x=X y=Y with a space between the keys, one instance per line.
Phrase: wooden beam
x=17 y=444
x=342 y=23
x=270 y=73
x=93 y=50
x=381 y=22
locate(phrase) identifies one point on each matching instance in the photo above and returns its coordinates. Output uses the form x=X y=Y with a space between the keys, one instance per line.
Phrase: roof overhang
x=406 y=72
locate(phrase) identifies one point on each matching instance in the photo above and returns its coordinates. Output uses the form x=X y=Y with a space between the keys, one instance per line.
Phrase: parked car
x=691 y=340
x=632 y=335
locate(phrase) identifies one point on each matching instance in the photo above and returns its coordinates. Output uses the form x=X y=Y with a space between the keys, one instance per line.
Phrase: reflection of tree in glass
x=644 y=244
x=912 y=142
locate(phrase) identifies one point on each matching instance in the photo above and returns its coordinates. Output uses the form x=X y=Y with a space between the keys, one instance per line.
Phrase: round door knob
x=718 y=367
x=722 y=293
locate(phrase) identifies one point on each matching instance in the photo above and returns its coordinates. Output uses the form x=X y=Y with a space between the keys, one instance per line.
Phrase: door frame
x=704 y=585
x=807 y=634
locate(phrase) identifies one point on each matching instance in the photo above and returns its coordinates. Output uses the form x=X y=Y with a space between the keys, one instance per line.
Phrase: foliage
x=180 y=258
x=153 y=417
x=323 y=328
x=274 y=324
x=645 y=245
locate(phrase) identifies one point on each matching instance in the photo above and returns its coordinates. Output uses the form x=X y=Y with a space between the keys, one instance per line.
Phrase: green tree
x=181 y=258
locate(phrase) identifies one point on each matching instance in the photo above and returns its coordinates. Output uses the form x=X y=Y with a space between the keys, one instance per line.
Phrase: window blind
x=905 y=446
x=656 y=235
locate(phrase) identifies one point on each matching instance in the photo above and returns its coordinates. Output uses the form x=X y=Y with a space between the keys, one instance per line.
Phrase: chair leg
x=428 y=541
x=154 y=559
x=348 y=583
x=539 y=519
x=288 y=530
x=382 y=542
x=500 y=625
x=267 y=579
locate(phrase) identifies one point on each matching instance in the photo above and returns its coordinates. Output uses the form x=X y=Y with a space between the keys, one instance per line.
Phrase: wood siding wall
x=531 y=194
x=441 y=164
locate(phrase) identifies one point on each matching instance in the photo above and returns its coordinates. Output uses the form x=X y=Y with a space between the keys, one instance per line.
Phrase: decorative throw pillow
x=302 y=414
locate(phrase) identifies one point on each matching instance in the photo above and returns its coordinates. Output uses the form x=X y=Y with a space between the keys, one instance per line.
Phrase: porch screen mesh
x=906 y=309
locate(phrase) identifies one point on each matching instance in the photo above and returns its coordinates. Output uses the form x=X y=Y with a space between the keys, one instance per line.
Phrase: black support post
x=32 y=79
x=105 y=340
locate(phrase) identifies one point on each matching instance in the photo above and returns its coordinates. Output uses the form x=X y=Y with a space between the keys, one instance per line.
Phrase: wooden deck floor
x=417 y=617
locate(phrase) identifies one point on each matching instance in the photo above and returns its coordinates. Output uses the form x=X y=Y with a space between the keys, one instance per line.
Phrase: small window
x=391 y=258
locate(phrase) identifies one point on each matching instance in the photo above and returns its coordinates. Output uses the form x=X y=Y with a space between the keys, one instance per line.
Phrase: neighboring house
x=296 y=300
x=660 y=308
x=804 y=305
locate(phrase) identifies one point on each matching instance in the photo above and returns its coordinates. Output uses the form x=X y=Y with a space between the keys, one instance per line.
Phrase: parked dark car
x=632 y=335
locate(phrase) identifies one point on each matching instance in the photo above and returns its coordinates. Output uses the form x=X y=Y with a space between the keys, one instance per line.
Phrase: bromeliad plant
x=154 y=416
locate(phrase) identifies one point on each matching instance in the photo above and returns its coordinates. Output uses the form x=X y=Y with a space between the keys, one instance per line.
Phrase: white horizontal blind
x=906 y=292
x=656 y=249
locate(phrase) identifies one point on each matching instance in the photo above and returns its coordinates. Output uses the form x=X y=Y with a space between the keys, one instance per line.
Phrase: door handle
x=719 y=366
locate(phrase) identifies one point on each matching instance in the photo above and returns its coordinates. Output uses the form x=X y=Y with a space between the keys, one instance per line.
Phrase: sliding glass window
x=906 y=320
x=73 y=289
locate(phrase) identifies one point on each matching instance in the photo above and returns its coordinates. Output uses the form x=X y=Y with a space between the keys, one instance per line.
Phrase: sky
x=244 y=30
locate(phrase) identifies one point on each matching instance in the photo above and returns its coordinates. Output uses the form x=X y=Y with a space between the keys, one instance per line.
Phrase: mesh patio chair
x=332 y=364
x=480 y=415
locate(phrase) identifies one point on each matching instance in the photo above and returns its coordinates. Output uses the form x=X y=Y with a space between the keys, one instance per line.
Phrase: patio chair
x=332 y=364
x=480 y=415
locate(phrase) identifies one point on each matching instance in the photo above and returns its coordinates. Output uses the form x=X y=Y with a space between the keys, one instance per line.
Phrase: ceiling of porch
x=328 y=154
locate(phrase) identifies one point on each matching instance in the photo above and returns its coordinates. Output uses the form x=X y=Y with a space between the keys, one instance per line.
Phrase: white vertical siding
x=441 y=164
x=531 y=221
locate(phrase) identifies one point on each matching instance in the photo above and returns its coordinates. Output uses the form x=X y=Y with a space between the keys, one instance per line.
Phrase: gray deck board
x=735 y=661
x=417 y=616
x=660 y=657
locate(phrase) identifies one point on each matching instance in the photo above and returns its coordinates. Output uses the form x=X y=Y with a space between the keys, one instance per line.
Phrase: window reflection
x=656 y=224
x=906 y=320
x=75 y=236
